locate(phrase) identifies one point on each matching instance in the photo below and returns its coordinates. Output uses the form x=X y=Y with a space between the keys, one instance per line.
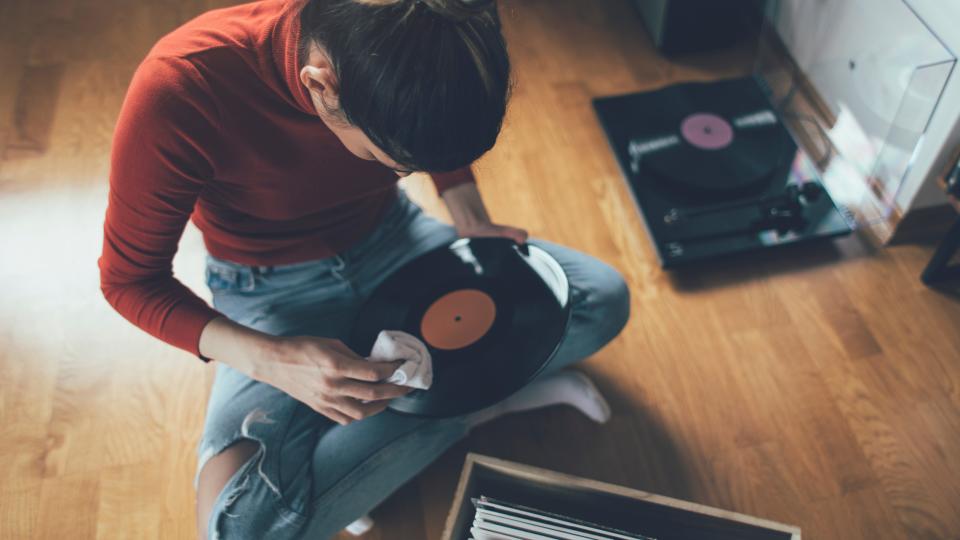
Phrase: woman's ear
x=321 y=81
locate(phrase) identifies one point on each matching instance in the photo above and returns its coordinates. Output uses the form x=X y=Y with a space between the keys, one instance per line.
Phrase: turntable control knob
x=674 y=249
x=672 y=216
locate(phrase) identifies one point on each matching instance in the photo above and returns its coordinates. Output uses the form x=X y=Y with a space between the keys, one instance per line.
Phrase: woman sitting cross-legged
x=280 y=127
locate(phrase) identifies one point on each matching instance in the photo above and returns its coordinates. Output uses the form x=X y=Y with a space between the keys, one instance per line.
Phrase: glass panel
x=859 y=100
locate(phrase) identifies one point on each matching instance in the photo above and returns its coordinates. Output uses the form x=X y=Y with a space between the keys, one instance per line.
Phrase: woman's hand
x=323 y=374
x=470 y=215
x=330 y=378
x=516 y=234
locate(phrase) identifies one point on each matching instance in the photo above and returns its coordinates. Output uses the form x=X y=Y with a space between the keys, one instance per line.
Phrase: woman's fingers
x=372 y=391
x=365 y=370
x=346 y=388
x=341 y=347
x=519 y=236
x=335 y=415
x=343 y=362
x=357 y=410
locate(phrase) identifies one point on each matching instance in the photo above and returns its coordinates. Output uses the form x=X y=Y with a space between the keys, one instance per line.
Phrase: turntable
x=714 y=171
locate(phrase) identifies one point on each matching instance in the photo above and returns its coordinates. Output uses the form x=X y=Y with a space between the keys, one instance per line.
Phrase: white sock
x=567 y=387
x=360 y=526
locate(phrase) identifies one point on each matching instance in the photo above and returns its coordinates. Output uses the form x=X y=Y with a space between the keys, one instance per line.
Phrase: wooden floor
x=818 y=386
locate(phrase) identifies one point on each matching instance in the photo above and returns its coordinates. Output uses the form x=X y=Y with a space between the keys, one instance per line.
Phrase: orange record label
x=458 y=319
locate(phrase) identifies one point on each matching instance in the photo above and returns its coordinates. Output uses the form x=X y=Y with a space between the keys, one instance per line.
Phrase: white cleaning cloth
x=417 y=371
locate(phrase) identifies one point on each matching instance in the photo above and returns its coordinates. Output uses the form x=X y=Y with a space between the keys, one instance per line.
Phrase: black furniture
x=689 y=26
x=940 y=269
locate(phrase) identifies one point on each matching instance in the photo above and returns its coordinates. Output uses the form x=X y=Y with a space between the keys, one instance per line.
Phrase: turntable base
x=714 y=171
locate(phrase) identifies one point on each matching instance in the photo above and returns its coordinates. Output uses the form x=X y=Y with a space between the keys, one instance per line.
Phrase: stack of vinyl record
x=501 y=520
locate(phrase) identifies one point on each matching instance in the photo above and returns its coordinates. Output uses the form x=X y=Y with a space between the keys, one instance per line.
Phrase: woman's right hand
x=322 y=373
x=330 y=378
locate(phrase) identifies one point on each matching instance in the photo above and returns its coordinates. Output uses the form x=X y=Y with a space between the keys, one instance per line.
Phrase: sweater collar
x=285 y=40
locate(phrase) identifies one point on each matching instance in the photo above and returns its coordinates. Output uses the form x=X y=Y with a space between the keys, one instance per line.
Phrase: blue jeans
x=311 y=476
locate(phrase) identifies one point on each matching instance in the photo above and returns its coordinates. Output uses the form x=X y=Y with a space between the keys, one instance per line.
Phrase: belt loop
x=248 y=280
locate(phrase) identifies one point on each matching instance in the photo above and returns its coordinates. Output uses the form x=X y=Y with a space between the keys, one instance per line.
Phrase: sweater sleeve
x=159 y=162
x=447 y=180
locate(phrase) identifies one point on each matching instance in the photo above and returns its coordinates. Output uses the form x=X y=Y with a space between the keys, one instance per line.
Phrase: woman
x=280 y=127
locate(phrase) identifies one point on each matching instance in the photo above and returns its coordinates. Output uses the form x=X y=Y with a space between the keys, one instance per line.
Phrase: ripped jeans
x=311 y=476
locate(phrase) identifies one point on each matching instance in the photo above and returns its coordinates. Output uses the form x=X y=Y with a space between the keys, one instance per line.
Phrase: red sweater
x=217 y=127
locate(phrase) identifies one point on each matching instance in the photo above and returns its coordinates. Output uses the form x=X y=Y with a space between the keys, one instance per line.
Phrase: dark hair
x=426 y=80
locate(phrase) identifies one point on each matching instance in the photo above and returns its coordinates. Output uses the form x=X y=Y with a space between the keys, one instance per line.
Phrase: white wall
x=884 y=41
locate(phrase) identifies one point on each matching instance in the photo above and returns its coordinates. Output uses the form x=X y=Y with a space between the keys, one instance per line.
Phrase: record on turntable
x=715 y=157
x=720 y=146
x=491 y=313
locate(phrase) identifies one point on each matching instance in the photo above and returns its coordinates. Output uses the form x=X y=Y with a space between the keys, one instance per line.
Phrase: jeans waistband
x=398 y=209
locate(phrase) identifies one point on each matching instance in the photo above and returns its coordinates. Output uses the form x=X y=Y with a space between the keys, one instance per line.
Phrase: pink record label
x=707 y=131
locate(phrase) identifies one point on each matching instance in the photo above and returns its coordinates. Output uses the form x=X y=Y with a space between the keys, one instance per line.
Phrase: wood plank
x=816 y=386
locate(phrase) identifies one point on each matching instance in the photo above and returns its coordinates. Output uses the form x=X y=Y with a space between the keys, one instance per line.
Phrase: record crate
x=609 y=505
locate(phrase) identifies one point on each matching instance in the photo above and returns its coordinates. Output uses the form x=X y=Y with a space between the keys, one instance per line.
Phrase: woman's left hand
x=471 y=218
x=489 y=229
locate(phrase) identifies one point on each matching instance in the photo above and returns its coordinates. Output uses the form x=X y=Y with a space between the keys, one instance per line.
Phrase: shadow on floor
x=738 y=268
x=633 y=449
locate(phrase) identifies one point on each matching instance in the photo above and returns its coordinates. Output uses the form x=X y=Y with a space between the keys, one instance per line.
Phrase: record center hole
x=457 y=318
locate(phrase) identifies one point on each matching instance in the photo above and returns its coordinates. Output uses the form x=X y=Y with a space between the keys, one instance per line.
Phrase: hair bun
x=457 y=9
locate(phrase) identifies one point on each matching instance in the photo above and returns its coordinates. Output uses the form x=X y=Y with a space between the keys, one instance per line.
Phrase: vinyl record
x=491 y=315
x=724 y=149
